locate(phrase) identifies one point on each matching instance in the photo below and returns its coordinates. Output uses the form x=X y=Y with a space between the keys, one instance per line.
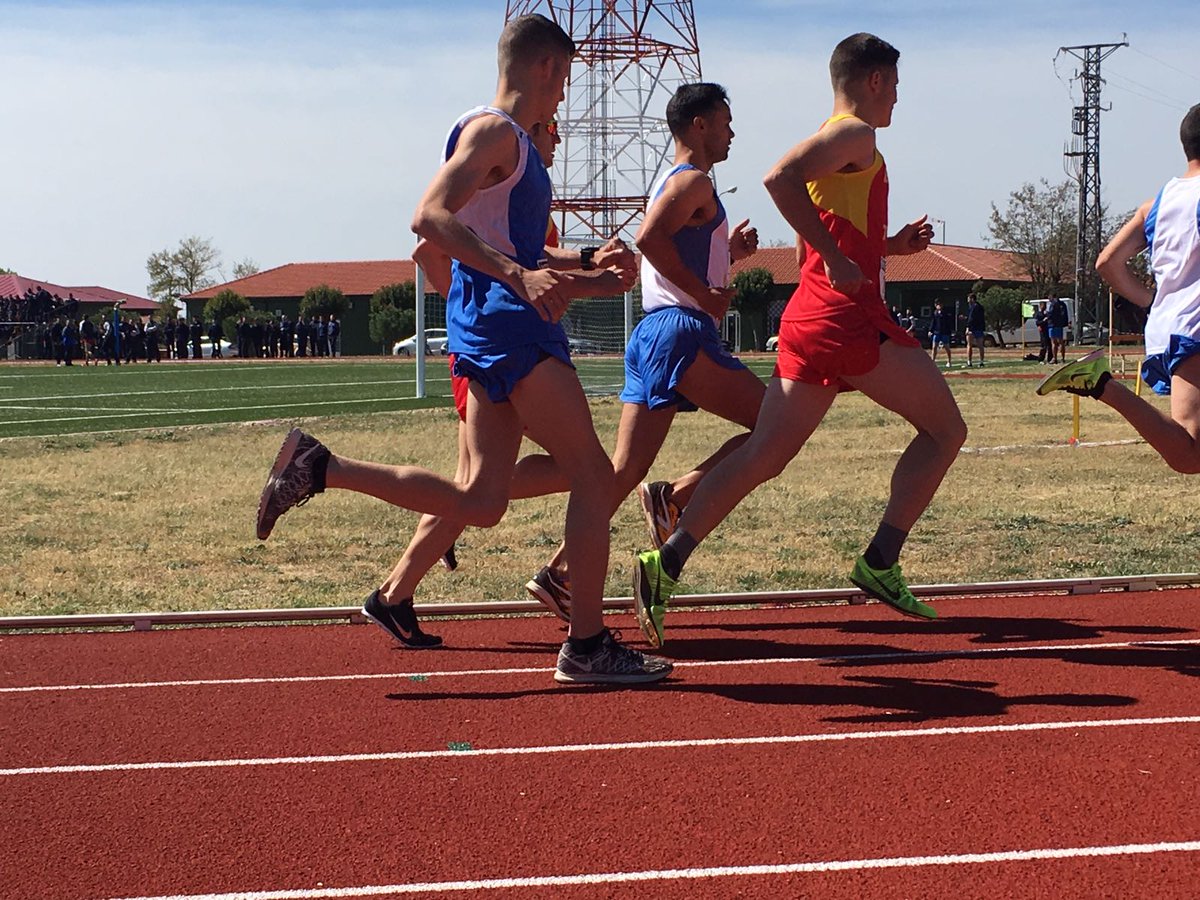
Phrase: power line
x=1191 y=75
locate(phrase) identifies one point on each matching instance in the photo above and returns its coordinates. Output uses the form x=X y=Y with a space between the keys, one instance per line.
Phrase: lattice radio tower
x=633 y=54
x=1083 y=162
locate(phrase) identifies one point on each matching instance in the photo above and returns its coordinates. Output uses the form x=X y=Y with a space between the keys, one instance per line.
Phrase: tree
x=393 y=313
x=1002 y=309
x=1040 y=226
x=184 y=270
x=226 y=307
x=323 y=300
x=245 y=268
x=753 y=290
x=4 y=271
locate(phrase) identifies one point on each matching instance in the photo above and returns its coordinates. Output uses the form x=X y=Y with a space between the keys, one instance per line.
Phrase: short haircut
x=692 y=100
x=531 y=39
x=858 y=56
x=1189 y=133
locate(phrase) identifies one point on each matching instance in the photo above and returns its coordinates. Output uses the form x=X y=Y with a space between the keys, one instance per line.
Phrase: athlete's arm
x=1113 y=261
x=614 y=254
x=912 y=238
x=847 y=145
x=684 y=197
x=487 y=151
x=436 y=265
x=743 y=241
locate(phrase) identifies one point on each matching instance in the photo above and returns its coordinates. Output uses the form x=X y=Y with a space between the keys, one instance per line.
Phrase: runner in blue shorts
x=487 y=209
x=675 y=361
x=1169 y=228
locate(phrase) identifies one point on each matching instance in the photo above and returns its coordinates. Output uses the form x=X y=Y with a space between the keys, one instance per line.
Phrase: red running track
x=1021 y=747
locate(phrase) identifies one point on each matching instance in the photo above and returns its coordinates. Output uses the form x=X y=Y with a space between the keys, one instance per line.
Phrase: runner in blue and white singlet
x=485 y=320
x=665 y=343
x=1173 y=239
x=704 y=249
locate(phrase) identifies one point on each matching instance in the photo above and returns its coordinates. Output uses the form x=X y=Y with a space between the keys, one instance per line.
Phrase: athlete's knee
x=484 y=506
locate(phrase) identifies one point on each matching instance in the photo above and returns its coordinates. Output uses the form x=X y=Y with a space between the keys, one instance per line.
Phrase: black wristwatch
x=585 y=258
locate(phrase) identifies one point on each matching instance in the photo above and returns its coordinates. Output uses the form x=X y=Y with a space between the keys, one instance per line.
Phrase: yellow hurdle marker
x=1074 y=420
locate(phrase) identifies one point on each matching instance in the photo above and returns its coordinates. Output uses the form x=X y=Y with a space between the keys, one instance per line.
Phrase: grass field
x=135 y=489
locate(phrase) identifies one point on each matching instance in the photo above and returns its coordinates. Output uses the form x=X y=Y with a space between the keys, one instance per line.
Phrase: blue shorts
x=1056 y=332
x=661 y=348
x=978 y=335
x=499 y=373
x=940 y=340
x=1158 y=369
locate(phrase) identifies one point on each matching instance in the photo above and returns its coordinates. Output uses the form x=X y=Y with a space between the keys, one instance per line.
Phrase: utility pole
x=1083 y=164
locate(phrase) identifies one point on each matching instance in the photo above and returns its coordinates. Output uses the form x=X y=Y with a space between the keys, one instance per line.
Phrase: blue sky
x=289 y=131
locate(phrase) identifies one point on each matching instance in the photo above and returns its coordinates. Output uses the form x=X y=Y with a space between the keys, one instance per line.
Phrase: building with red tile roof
x=281 y=289
x=943 y=272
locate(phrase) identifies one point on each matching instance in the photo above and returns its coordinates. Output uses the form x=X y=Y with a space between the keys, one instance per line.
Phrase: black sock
x=675 y=552
x=587 y=644
x=407 y=601
x=884 y=550
x=320 y=465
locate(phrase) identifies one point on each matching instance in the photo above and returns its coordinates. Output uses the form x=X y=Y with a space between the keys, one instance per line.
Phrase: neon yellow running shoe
x=888 y=586
x=1085 y=376
x=652 y=588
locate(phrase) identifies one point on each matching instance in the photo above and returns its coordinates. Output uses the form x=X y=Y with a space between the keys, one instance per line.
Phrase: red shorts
x=840 y=342
x=458 y=386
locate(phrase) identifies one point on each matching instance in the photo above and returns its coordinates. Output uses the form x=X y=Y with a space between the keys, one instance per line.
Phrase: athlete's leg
x=429 y=542
x=734 y=395
x=790 y=412
x=1176 y=437
x=493 y=439
x=640 y=435
x=551 y=403
x=907 y=383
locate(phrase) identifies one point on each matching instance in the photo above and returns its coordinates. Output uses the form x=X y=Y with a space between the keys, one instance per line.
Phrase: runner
x=675 y=361
x=1169 y=225
x=836 y=334
x=487 y=208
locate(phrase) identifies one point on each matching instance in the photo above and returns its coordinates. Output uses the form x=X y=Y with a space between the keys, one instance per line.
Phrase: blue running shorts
x=499 y=373
x=662 y=347
x=1158 y=369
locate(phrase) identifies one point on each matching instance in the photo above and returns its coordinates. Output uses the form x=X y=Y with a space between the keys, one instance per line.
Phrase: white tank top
x=704 y=249
x=1173 y=236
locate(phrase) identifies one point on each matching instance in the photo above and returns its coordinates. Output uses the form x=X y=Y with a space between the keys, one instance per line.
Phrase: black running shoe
x=291 y=480
x=551 y=590
x=449 y=559
x=400 y=621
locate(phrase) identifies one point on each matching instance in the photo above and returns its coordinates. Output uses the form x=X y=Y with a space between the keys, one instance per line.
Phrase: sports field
x=139 y=488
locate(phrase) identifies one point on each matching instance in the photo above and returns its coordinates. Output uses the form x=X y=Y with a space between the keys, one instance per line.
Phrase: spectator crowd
x=60 y=333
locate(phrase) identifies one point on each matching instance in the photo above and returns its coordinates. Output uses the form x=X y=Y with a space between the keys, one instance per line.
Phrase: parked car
x=583 y=346
x=435 y=342
x=773 y=343
x=227 y=349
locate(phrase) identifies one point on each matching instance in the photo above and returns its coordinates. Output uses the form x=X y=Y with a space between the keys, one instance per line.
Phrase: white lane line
x=325 y=385
x=197 y=412
x=698 y=874
x=7 y=406
x=534 y=670
x=687 y=743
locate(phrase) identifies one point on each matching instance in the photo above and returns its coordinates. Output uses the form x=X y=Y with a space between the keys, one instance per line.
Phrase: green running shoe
x=1085 y=376
x=652 y=588
x=888 y=586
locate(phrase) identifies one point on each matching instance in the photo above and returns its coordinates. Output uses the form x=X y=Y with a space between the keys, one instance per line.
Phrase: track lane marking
x=697 y=874
x=533 y=670
x=609 y=747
